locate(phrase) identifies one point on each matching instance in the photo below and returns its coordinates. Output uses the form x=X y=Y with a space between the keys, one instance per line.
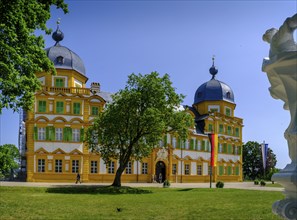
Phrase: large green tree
x=9 y=154
x=253 y=162
x=21 y=52
x=139 y=115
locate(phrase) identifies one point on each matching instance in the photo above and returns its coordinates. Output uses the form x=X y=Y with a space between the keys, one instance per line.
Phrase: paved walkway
x=232 y=185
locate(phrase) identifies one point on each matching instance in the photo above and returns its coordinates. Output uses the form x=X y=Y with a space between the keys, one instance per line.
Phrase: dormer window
x=60 y=60
x=228 y=95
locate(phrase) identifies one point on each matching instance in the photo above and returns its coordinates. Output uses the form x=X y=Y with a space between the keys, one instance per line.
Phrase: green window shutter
x=178 y=143
x=237 y=132
x=69 y=134
x=65 y=132
x=59 y=107
x=239 y=150
x=165 y=140
x=95 y=110
x=82 y=130
x=47 y=133
x=229 y=170
x=210 y=127
x=35 y=133
x=225 y=148
x=191 y=144
x=203 y=146
x=52 y=133
x=221 y=128
x=76 y=108
x=221 y=170
x=229 y=149
x=237 y=170
x=59 y=82
x=41 y=106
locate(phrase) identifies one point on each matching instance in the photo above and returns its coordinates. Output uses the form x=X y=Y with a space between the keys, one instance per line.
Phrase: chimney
x=95 y=88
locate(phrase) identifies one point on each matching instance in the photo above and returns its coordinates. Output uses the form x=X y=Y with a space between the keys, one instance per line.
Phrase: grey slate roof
x=64 y=58
x=214 y=90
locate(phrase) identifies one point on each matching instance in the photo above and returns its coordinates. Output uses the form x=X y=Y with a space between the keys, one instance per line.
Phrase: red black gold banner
x=213 y=138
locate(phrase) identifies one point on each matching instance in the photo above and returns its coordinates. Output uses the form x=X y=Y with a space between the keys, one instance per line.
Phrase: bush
x=256 y=182
x=262 y=183
x=220 y=184
x=166 y=184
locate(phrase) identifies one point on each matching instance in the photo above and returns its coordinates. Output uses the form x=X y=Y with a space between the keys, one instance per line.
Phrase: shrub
x=220 y=184
x=262 y=182
x=166 y=184
x=256 y=182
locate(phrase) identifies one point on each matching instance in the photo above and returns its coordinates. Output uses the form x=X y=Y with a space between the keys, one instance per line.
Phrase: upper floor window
x=237 y=132
x=59 y=134
x=60 y=60
x=41 y=106
x=95 y=110
x=59 y=107
x=221 y=128
x=214 y=108
x=228 y=111
x=199 y=170
x=76 y=135
x=59 y=82
x=76 y=108
x=41 y=134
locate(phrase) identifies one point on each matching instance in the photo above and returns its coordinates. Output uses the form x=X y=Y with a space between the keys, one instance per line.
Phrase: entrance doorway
x=160 y=171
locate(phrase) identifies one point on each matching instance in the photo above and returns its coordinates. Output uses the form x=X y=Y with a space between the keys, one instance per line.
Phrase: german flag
x=213 y=138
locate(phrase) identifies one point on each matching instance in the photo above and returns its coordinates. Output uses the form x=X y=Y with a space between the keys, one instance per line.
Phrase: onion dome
x=63 y=57
x=214 y=90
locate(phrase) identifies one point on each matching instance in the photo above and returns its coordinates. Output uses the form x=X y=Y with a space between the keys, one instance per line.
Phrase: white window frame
x=75 y=166
x=41 y=165
x=59 y=134
x=41 y=134
x=144 y=168
x=129 y=168
x=111 y=167
x=75 y=135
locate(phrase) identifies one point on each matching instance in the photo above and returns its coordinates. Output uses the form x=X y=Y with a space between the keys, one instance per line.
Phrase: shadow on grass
x=111 y=190
x=186 y=189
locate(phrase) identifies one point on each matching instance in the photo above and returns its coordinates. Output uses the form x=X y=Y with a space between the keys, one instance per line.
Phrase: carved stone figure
x=281 y=69
x=282 y=40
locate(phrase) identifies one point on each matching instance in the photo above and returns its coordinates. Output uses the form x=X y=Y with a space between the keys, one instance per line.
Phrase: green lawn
x=81 y=202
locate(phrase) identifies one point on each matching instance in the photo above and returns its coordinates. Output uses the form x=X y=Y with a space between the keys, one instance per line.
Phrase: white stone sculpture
x=281 y=69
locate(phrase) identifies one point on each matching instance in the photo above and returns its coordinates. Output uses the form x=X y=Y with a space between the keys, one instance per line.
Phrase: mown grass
x=85 y=202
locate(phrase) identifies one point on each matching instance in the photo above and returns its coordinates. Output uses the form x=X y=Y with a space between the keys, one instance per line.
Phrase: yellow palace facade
x=53 y=149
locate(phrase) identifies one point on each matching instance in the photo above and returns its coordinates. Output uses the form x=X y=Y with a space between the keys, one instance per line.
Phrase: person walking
x=78 y=178
x=160 y=178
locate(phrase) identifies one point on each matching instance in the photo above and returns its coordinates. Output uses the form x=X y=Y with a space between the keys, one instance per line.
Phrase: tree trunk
x=117 y=178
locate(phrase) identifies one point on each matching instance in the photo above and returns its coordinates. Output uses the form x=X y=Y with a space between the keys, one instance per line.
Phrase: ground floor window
x=199 y=170
x=111 y=167
x=187 y=169
x=41 y=165
x=58 y=166
x=144 y=168
x=94 y=166
x=129 y=168
x=174 y=168
x=75 y=166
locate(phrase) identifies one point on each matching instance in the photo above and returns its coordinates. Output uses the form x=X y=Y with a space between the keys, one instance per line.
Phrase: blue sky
x=117 y=38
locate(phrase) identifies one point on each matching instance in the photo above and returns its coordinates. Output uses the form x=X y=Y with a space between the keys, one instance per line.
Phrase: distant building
x=52 y=133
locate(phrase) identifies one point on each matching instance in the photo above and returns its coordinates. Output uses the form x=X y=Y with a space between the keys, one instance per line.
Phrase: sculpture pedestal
x=287 y=208
x=282 y=74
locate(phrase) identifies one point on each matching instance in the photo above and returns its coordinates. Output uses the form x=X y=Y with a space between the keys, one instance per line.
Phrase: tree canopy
x=21 y=52
x=134 y=123
x=9 y=154
x=253 y=162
